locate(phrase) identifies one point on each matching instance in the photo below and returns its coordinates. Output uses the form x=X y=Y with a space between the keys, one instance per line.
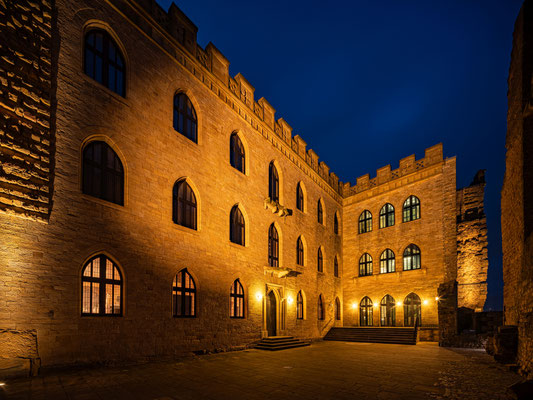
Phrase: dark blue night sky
x=366 y=83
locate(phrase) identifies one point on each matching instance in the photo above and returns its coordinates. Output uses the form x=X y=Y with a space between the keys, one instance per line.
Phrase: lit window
x=184 y=205
x=386 y=216
x=365 y=265
x=236 y=153
x=236 y=297
x=101 y=287
x=411 y=209
x=388 y=311
x=366 y=312
x=365 y=222
x=387 y=262
x=185 y=121
x=412 y=310
x=411 y=257
x=273 y=246
x=237 y=227
x=183 y=295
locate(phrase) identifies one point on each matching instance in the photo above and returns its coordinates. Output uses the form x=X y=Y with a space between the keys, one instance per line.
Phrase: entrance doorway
x=271 y=311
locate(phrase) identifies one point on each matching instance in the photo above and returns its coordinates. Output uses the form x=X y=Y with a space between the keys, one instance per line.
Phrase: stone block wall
x=27 y=101
x=472 y=242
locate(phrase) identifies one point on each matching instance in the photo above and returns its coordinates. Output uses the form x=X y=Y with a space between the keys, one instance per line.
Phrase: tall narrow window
x=388 y=311
x=337 y=309
x=273 y=182
x=101 y=285
x=236 y=227
x=411 y=257
x=299 y=306
x=273 y=246
x=184 y=120
x=336 y=267
x=365 y=265
x=366 y=312
x=411 y=209
x=320 y=212
x=386 y=216
x=365 y=222
x=320 y=260
x=184 y=205
x=412 y=310
x=183 y=295
x=299 y=197
x=387 y=262
x=299 y=251
x=320 y=308
x=236 y=153
x=336 y=224
x=104 y=62
x=236 y=296
x=103 y=174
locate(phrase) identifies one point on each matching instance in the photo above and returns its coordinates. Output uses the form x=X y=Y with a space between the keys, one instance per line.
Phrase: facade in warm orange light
x=152 y=207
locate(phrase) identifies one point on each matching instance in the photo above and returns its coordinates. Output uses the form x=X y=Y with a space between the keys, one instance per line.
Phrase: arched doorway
x=412 y=310
x=271 y=313
x=388 y=311
x=366 y=312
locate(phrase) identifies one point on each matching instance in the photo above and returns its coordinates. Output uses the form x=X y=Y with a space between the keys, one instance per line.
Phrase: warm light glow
x=437 y=298
x=425 y=302
x=354 y=306
x=259 y=296
x=289 y=299
x=2 y=384
x=376 y=304
x=398 y=303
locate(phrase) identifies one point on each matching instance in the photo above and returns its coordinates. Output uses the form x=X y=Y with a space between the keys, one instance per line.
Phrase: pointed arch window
x=365 y=222
x=273 y=182
x=183 y=295
x=320 y=308
x=103 y=173
x=237 y=226
x=411 y=209
x=104 y=62
x=366 y=312
x=337 y=309
x=386 y=216
x=300 y=197
x=299 y=306
x=184 y=119
x=336 y=267
x=184 y=205
x=411 y=257
x=388 y=311
x=236 y=297
x=387 y=262
x=412 y=310
x=299 y=251
x=365 y=265
x=320 y=260
x=320 y=213
x=102 y=287
x=236 y=153
x=336 y=224
x=273 y=246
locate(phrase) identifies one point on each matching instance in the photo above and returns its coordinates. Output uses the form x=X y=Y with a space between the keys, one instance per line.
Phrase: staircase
x=370 y=334
x=274 y=343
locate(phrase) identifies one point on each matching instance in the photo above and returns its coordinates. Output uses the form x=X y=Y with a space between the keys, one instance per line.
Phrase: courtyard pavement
x=325 y=370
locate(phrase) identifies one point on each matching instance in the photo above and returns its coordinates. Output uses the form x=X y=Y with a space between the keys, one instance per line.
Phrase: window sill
x=238 y=246
x=185 y=229
x=104 y=202
x=98 y=86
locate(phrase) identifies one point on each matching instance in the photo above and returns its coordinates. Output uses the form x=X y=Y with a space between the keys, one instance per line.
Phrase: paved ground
x=325 y=370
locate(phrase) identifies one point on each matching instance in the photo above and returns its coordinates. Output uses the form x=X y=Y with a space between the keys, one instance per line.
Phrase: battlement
x=180 y=27
x=433 y=155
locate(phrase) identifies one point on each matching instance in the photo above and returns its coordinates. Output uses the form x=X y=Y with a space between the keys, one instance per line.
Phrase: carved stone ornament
x=277 y=208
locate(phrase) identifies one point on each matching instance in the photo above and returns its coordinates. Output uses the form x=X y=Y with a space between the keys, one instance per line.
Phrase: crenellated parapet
x=433 y=155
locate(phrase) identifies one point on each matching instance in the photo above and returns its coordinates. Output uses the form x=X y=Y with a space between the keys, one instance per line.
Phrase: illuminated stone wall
x=517 y=191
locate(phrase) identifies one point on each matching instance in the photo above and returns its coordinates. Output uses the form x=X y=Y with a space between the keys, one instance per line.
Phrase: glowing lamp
x=354 y=306
x=437 y=298
x=425 y=302
x=289 y=300
x=259 y=296
x=398 y=303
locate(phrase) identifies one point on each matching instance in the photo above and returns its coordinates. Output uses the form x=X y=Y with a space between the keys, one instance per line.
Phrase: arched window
x=184 y=205
x=184 y=120
x=299 y=306
x=336 y=224
x=320 y=260
x=273 y=182
x=102 y=287
x=337 y=309
x=365 y=222
x=388 y=311
x=300 y=197
x=273 y=246
x=366 y=312
x=320 y=213
x=103 y=174
x=236 y=297
x=411 y=257
x=411 y=209
x=365 y=265
x=236 y=226
x=103 y=61
x=183 y=295
x=386 y=216
x=299 y=251
x=320 y=308
x=336 y=267
x=387 y=262
x=236 y=153
x=412 y=310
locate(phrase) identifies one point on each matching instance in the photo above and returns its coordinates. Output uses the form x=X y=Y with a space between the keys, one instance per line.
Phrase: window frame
x=183 y=208
x=411 y=211
x=386 y=260
x=320 y=212
x=237 y=153
x=335 y=224
x=182 y=110
x=320 y=260
x=320 y=308
x=366 y=265
x=368 y=314
x=273 y=183
x=300 y=306
x=336 y=267
x=237 y=298
x=412 y=255
x=237 y=226
x=300 y=198
x=365 y=222
x=179 y=295
x=273 y=246
x=337 y=309
x=300 y=252
x=386 y=216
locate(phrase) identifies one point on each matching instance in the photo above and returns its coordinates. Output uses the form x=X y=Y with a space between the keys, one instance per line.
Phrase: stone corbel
x=277 y=208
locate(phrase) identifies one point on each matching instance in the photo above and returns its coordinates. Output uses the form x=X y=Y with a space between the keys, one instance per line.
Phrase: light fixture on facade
x=398 y=303
x=259 y=296
x=437 y=298
x=425 y=302
x=289 y=300
x=354 y=306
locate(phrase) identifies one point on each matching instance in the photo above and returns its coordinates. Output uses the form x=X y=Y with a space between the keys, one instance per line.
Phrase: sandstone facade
x=42 y=252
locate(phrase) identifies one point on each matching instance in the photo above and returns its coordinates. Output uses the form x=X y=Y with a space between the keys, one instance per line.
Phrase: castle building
x=150 y=206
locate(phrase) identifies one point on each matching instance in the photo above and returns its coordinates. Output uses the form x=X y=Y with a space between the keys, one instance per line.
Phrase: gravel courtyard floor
x=324 y=370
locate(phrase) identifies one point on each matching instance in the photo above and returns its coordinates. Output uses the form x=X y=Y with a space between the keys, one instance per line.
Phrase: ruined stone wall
x=27 y=96
x=517 y=191
x=472 y=242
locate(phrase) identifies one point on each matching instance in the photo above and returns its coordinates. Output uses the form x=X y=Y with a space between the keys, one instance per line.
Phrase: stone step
x=282 y=346
x=274 y=343
x=373 y=335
